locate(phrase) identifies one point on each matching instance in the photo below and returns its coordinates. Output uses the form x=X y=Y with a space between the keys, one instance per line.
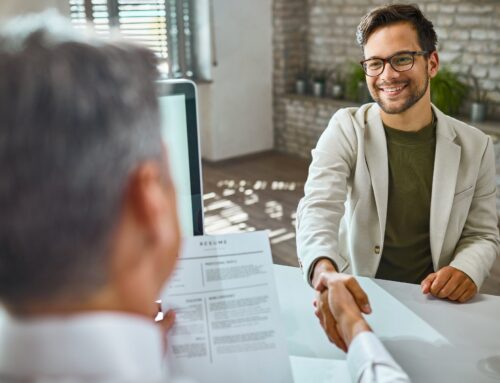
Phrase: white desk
x=432 y=339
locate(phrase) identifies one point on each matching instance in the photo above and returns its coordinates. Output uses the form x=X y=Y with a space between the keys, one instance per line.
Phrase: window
x=165 y=26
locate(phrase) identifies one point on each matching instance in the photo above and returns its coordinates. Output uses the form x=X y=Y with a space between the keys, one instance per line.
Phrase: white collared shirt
x=97 y=347
x=370 y=362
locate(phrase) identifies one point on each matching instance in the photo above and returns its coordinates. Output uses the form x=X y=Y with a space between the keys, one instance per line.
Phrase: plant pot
x=364 y=96
x=300 y=86
x=337 y=91
x=477 y=112
x=318 y=89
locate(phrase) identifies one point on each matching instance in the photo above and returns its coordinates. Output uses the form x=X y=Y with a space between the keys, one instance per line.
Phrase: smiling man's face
x=394 y=91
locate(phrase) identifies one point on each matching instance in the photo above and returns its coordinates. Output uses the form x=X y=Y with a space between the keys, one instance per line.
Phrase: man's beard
x=412 y=99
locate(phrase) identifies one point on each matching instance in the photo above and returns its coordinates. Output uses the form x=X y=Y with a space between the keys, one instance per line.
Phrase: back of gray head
x=77 y=115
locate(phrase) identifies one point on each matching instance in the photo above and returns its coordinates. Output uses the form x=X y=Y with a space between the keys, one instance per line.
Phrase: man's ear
x=147 y=238
x=153 y=205
x=146 y=198
x=433 y=64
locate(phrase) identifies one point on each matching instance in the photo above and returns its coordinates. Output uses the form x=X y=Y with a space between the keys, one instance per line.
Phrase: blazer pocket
x=463 y=194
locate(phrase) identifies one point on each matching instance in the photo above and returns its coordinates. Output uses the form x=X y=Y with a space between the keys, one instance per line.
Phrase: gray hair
x=77 y=116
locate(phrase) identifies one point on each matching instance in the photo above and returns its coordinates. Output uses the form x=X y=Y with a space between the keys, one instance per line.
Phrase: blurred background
x=271 y=73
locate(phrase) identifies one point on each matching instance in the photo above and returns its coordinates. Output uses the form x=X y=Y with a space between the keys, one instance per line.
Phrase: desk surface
x=432 y=339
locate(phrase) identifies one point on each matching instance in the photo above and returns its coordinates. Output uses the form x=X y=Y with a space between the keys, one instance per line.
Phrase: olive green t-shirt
x=406 y=256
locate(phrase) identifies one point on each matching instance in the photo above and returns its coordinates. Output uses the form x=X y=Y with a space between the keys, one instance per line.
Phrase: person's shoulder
x=354 y=117
x=472 y=141
x=463 y=129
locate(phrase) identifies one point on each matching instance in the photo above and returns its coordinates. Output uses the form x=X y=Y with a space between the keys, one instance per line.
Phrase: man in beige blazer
x=397 y=189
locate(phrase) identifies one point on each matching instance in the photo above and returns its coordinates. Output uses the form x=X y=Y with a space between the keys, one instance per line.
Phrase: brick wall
x=304 y=119
x=289 y=47
x=320 y=34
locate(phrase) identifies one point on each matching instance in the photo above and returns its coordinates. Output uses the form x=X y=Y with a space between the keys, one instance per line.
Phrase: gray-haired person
x=88 y=227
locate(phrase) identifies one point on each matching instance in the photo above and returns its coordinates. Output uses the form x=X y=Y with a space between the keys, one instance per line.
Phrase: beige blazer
x=342 y=215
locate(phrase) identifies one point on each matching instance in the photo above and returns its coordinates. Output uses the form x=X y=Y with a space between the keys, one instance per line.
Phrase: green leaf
x=447 y=91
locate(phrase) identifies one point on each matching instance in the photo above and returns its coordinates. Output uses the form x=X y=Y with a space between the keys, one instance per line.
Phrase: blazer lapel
x=446 y=164
x=377 y=161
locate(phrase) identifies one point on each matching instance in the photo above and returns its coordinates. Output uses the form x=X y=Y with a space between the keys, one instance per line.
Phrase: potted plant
x=319 y=78
x=337 y=90
x=355 y=85
x=301 y=82
x=447 y=91
x=479 y=104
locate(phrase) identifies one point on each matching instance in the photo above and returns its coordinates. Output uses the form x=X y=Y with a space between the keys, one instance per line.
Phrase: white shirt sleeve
x=181 y=380
x=369 y=361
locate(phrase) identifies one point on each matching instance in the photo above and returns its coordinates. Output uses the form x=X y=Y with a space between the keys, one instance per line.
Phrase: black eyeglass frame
x=388 y=60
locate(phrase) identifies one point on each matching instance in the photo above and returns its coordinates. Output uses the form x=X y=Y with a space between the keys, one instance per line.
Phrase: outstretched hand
x=339 y=304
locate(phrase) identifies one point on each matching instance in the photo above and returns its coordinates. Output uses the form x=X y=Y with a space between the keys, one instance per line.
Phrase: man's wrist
x=353 y=329
x=322 y=265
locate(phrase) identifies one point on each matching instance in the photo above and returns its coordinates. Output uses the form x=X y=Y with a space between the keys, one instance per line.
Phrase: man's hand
x=321 y=309
x=449 y=283
x=327 y=320
x=339 y=307
x=328 y=306
x=167 y=322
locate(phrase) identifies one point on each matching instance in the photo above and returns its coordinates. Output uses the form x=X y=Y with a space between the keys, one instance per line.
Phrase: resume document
x=228 y=326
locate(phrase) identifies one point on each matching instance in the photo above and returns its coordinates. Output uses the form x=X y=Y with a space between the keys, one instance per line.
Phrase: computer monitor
x=179 y=127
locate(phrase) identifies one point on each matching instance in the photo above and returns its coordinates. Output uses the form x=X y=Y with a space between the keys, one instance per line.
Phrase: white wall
x=10 y=8
x=236 y=109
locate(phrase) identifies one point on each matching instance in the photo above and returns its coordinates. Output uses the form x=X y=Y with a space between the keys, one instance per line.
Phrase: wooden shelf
x=323 y=100
x=490 y=126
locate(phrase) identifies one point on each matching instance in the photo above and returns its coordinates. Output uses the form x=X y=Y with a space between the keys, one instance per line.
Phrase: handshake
x=341 y=302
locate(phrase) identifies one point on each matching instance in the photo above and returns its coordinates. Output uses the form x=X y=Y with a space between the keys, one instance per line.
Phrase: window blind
x=165 y=26
x=142 y=21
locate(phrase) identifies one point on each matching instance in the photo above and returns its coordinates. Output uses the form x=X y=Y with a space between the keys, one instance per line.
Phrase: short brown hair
x=396 y=13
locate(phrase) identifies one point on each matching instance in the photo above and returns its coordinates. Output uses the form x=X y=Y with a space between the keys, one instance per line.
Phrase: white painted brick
x=446 y=56
x=495 y=73
x=471 y=21
x=442 y=33
x=471 y=8
x=459 y=34
x=468 y=59
x=453 y=46
x=434 y=7
x=478 y=48
x=480 y=71
x=447 y=8
x=479 y=34
x=444 y=21
x=486 y=59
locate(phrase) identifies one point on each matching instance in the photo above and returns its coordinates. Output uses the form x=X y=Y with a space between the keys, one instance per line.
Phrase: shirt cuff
x=313 y=265
x=366 y=351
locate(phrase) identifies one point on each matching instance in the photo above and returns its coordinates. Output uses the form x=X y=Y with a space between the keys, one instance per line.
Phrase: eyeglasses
x=400 y=62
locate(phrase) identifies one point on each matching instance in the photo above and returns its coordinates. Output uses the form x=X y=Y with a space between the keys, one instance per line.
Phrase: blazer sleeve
x=479 y=243
x=325 y=192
